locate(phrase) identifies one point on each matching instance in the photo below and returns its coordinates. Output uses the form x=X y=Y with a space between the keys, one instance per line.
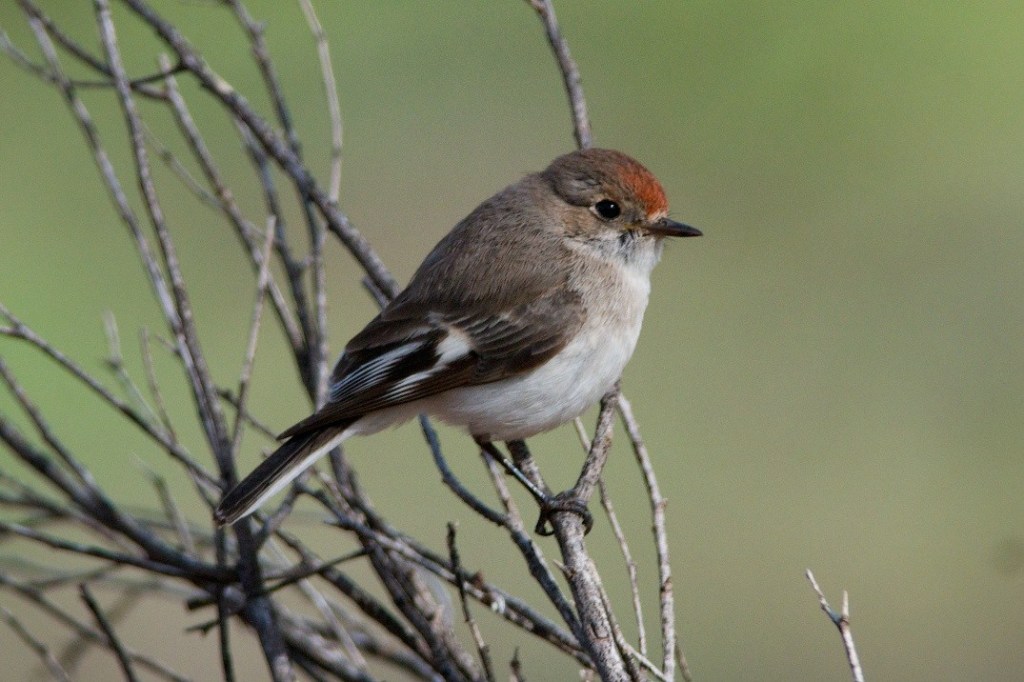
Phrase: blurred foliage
x=831 y=378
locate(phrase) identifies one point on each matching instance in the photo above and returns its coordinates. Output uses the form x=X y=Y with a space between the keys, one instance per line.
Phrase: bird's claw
x=562 y=502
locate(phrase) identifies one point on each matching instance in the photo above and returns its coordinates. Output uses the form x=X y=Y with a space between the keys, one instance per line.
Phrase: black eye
x=607 y=209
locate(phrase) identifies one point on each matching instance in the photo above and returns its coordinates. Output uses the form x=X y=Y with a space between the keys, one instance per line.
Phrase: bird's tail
x=275 y=472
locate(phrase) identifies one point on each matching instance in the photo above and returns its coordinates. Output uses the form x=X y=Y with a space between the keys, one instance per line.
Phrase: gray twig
x=841 y=619
x=481 y=646
x=43 y=651
x=108 y=631
x=658 y=503
x=81 y=630
x=570 y=72
x=620 y=537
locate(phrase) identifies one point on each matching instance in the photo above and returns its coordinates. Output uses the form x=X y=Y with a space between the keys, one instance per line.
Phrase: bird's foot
x=562 y=502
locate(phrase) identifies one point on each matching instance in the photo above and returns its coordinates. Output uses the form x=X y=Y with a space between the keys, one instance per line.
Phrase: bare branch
x=174 y=514
x=348 y=627
x=570 y=72
x=841 y=620
x=44 y=653
x=115 y=361
x=154 y=385
x=245 y=231
x=450 y=479
x=330 y=92
x=658 y=503
x=81 y=630
x=108 y=631
x=337 y=222
x=81 y=55
x=316 y=335
x=481 y=646
x=627 y=557
x=254 y=332
x=179 y=314
x=18 y=330
x=620 y=537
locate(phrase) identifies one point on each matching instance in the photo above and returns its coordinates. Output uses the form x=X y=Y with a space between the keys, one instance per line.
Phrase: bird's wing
x=408 y=353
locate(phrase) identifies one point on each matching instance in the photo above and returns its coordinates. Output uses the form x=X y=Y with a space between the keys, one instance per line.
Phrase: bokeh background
x=831 y=378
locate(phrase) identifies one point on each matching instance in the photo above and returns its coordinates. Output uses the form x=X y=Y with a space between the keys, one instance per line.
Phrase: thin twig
x=254 y=331
x=316 y=334
x=81 y=630
x=658 y=503
x=19 y=330
x=481 y=646
x=515 y=667
x=176 y=166
x=43 y=428
x=221 y=592
x=174 y=513
x=43 y=651
x=337 y=222
x=127 y=215
x=366 y=602
x=631 y=658
x=113 y=641
x=82 y=549
x=115 y=361
x=325 y=608
x=86 y=495
x=631 y=569
x=620 y=537
x=181 y=320
x=570 y=72
x=179 y=314
x=333 y=191
x=82 y=56
x=294 y=268
x=841 y=620
x=504 y=604
x=452 y=481
x=323 y=50
x=154 y=386
x=245 y=231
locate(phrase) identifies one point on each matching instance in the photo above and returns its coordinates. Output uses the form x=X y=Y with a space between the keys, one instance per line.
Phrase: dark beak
x=670 y=228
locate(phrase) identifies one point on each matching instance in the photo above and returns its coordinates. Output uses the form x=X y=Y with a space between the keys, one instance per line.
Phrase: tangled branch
x=256 y=572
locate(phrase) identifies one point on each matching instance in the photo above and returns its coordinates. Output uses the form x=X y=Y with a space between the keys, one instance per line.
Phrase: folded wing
x=398 y=358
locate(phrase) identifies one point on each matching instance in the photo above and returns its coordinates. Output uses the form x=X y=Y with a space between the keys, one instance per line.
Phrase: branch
x=570 y=72
x=108 y=631
x=841 y=620
x=405 y=623
x=671 y=648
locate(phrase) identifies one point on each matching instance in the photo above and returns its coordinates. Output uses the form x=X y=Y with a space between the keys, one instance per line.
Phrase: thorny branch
x=257 y=572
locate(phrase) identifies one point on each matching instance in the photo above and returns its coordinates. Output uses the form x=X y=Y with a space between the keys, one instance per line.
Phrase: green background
x=831 y=378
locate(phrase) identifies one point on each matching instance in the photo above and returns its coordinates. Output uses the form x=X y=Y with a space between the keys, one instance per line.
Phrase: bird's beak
x=670 y=228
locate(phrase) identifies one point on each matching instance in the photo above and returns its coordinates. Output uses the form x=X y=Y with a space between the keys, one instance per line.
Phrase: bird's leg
x=524 y=461
x=491 y=449
x=525 y=471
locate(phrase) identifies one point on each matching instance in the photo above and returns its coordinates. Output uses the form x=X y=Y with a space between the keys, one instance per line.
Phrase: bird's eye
x=607 y=209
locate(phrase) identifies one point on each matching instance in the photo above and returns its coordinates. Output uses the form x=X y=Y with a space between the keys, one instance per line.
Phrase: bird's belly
x=552 y=394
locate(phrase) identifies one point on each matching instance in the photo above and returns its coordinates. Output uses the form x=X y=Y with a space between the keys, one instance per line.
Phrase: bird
x=522 y=317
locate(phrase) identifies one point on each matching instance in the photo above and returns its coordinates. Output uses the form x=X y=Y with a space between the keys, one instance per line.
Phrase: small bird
x=521 y=318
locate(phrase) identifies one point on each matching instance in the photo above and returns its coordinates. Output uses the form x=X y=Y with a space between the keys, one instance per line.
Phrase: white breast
x=565 y=386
